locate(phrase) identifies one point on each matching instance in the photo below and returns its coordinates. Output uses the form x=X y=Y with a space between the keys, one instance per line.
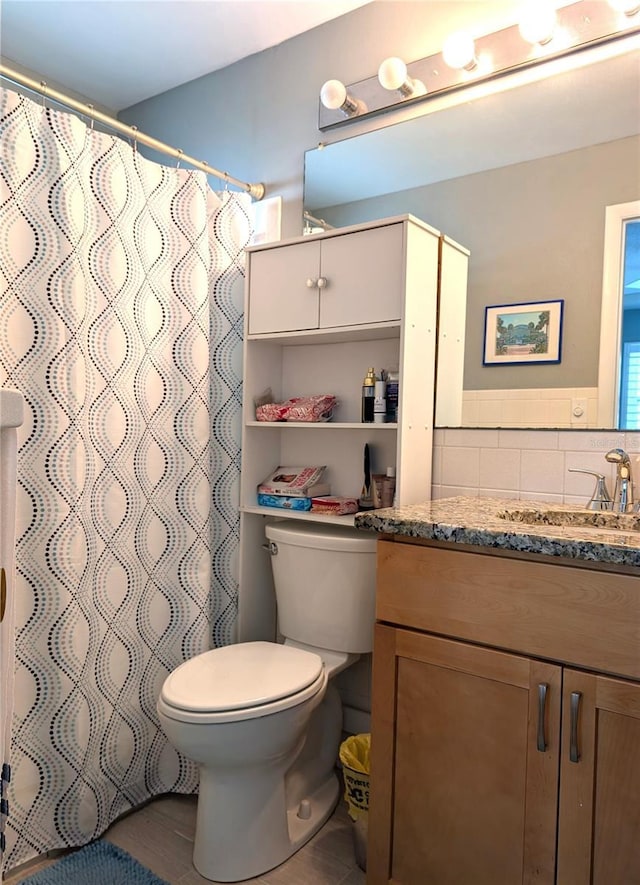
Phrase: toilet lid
x=239 y=676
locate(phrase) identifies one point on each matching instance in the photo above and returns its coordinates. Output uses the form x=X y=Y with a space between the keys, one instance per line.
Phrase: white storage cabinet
x=325 y=283
x=319 y=311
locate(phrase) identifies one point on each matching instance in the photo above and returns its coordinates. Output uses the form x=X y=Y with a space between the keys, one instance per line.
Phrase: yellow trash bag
x=354 y=756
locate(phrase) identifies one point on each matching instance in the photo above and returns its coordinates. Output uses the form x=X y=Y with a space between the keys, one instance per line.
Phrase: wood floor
x=160 y=836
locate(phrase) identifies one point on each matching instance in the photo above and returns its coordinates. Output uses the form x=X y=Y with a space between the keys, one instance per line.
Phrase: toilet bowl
x=262 y=719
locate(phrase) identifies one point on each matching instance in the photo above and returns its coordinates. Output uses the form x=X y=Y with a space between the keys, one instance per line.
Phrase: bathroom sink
x=603 y=520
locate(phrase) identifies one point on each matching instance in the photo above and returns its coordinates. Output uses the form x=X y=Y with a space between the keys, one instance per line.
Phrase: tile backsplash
x=570 y=407
x=527 y=464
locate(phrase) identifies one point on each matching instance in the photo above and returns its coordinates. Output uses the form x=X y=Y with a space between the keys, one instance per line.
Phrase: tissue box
x=285 y=502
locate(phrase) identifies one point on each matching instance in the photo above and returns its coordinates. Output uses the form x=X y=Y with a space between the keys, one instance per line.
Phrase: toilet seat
x=242 y=681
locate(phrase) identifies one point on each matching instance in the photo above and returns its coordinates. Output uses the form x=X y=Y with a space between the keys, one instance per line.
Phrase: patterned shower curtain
x=121 y=323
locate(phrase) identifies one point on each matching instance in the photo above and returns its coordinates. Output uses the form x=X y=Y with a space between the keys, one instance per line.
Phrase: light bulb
x=459 y=51
x=629 y=7
x=392 y=75
x=537 y=23
x=333 y=94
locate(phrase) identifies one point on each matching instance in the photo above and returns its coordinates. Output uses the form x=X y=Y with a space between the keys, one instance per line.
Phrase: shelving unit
x=360 y=296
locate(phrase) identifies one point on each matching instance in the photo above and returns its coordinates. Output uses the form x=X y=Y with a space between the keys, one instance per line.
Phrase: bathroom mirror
x=522 y=178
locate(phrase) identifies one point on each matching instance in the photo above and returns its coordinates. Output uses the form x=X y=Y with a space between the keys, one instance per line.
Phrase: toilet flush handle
x=272 y=547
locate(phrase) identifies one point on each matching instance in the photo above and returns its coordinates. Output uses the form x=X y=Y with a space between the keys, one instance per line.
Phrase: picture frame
x=525 y=333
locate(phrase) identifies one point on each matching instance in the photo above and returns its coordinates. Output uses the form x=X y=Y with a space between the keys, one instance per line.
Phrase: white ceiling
x=120 y=52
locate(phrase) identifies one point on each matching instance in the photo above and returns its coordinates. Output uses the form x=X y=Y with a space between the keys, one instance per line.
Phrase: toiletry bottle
x=368 y=396
x=389 y=487
x=392 y=395
x=380 y=403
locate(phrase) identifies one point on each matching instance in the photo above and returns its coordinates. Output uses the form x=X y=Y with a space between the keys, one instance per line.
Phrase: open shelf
x=323 y=425
x=338 y=334
x=303 y=516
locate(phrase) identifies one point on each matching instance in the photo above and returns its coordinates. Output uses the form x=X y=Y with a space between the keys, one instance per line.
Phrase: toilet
x=263 y=719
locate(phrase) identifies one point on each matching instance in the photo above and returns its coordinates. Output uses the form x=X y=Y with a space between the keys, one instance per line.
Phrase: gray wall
x=256 y=118
x=536 y=232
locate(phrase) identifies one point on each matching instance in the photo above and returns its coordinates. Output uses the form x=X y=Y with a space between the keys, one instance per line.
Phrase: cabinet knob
x=323 y=282
x=312 y=284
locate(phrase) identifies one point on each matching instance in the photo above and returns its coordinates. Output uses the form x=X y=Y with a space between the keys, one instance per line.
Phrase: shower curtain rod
x=257 y=191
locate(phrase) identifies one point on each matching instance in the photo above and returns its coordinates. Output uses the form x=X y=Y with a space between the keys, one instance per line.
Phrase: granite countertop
x=581 y=534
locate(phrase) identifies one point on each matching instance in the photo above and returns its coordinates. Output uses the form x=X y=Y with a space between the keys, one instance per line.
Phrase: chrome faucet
x=600 y=499
x=623 y=494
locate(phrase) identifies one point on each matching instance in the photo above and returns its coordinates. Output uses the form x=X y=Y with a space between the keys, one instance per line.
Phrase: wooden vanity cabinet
x=481 y=772
x=599 y=812
x=466 y=796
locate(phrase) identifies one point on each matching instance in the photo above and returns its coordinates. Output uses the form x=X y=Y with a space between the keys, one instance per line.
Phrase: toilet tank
x=325 y=583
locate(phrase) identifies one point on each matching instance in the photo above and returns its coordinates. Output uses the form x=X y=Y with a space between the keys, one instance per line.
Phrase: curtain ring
x=90 y=106
x=43 y=87
x=226 y=181
x=134 y=129
x=180 y=153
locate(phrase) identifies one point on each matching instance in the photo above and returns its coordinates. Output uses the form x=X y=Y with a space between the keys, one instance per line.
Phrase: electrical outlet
x=579 y=410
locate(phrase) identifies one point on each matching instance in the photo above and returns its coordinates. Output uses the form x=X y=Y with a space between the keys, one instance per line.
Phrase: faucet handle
x=601 y=499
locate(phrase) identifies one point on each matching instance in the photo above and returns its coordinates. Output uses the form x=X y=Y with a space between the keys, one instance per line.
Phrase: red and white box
x=297 y=482
x=339 y=506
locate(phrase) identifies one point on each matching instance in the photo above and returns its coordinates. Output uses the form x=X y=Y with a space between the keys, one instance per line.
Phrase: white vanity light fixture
x=334 y=96
x=538 y=22
x=629 y=7
x=547 y=30
x=393 y=75
x=459 y=51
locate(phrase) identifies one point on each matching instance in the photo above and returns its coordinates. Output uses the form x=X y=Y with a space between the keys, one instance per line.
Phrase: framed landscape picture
x=523 y=333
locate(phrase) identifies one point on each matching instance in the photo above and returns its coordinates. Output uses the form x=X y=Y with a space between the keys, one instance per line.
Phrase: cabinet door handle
x=574 y=751
x=3 y=593
x=542 y=704
x=311 y=283
x=323 y=282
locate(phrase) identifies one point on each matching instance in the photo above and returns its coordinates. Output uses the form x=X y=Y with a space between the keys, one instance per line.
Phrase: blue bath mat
x=100 y=863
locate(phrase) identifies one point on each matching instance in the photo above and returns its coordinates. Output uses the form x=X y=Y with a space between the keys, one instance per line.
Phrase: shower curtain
x=11 y=416
x=120 y=323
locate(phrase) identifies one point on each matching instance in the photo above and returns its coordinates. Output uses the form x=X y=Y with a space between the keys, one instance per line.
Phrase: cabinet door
x=599 y=824
x=464 y=768
x=364 y=277
x=279 y=298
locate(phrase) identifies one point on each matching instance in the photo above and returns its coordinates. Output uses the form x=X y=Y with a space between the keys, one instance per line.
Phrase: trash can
x=354 y=756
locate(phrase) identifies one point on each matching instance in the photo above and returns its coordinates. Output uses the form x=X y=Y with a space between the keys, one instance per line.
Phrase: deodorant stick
x=380 y=403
